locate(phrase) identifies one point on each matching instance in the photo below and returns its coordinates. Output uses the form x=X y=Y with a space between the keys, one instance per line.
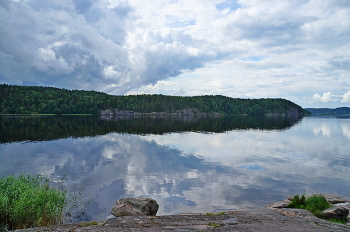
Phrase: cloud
x=340 y=62
x=329 y=97
x=326 y=97
x=93 y=45
x=235 y=48
x=346 y=97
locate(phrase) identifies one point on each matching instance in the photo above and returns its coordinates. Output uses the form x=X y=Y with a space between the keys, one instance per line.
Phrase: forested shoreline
x=328 y=111
x=17 y=99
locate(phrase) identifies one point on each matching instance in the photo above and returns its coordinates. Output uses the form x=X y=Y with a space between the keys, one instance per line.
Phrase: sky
x=293 y=49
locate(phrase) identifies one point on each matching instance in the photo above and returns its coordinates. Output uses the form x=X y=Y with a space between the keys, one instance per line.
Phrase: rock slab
x=334 y=199
x=279 y=204
x=135 y=206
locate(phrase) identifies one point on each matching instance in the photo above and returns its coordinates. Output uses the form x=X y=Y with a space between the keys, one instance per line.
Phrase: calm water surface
x=186 y=164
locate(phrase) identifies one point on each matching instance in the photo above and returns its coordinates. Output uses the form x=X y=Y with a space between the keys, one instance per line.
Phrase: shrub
x=29 y=201
x=317 y=203
x=298 y=202
x=314 y=203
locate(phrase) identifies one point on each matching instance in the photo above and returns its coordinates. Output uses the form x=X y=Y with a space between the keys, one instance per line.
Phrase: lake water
x=188 y=164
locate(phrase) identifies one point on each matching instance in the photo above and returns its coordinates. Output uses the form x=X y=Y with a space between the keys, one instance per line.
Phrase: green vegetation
x=217 y=214
x=213 y=224
x=85 y=224
x=327 y=111
x=340 y=221
x=315 y=203
x=32 y=201
x=306 y=112
x=28 y=201
x=47 y=100
x=298 y=202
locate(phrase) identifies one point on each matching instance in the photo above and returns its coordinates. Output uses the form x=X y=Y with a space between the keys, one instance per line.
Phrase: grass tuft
x=341 y=221
x=31 y=201
x=28 y=201
x=298 y=202
x=213 y=224
x=315 y=203
x=85 y=224
x=218 y=214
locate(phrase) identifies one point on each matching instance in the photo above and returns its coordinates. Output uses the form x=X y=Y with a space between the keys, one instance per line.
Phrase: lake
x=187 y=164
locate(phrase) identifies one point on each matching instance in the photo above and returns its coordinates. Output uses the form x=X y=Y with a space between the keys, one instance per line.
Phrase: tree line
x=17 y=99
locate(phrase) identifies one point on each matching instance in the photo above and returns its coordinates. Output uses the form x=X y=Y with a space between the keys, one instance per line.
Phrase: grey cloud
x=80 y=44
x=290 y=27
x=169 y=36
x=264 y=64
x=123 y=10
x=279 y=27
x=340 y=62
x=5 y=4
x=87 y=44
x=52 y=47
x=82 y=6
x=169 y=60
x=340 y=3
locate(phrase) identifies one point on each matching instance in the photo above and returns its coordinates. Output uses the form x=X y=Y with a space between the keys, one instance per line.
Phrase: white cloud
x=329 y=97
x=346 y=97
x=235 y=48
x=49 y=60
x=326 y=97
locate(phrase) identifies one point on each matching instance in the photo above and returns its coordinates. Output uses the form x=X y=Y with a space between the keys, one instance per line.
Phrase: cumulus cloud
x=329 y=97
x=231 y=47
x=346 y=97
x=326 y=97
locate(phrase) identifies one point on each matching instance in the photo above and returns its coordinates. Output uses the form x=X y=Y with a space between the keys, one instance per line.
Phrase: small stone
x=135 y=206
x=335 y=213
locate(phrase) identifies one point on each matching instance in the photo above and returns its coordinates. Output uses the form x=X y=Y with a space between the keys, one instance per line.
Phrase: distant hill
x=328 y=111
x=16 y=99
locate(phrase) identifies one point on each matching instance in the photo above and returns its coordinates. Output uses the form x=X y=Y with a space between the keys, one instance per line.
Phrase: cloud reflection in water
x=191 y=171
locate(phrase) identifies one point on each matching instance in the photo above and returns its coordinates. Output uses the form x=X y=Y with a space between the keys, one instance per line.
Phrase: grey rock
x=345 y=204
x=295 y=212
x=334 y=199
x=116 y=112
x=335 y=213
x=135 y=206
x=262 y=220
x=279 y=204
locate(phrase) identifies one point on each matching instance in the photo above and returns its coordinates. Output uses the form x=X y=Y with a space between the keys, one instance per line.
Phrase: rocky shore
x=274 y=217
x=183 y=112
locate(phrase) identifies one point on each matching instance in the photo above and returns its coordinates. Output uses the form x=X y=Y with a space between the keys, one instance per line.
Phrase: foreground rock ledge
x=265 y=219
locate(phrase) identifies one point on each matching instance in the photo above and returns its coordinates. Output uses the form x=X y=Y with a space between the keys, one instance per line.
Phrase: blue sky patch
x=233 y=5
x=253 y=167
x=254 y=58
x=177 y=24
